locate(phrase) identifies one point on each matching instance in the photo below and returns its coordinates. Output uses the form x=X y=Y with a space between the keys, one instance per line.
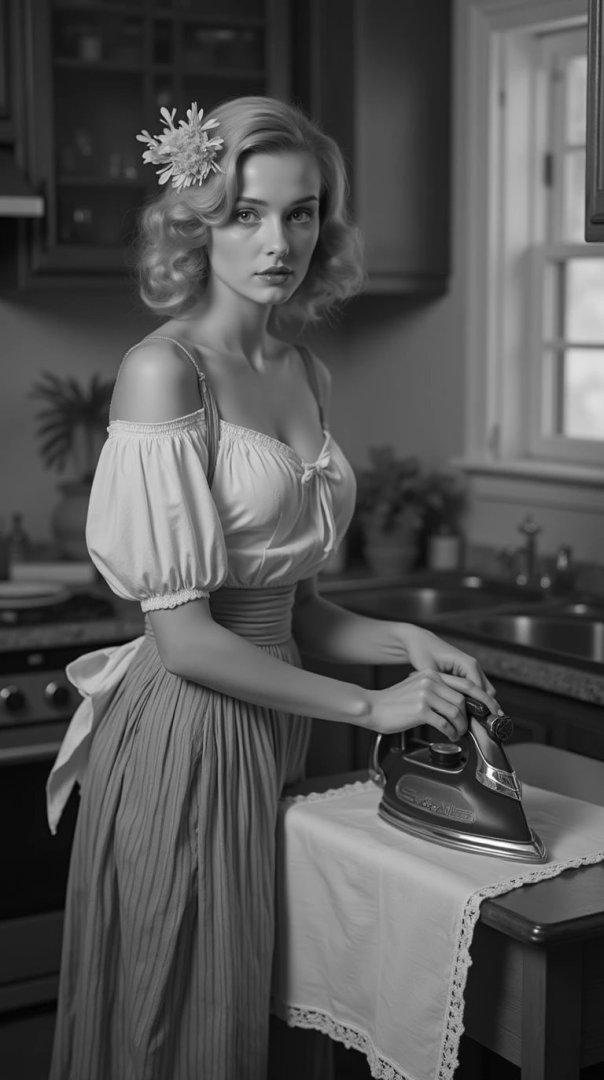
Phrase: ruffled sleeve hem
x=172 y=600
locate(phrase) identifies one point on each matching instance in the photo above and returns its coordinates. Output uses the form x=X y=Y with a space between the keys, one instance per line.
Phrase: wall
x=73 y=332
x=395 y=376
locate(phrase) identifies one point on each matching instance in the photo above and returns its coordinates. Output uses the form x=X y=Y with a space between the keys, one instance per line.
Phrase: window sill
x=524 y=468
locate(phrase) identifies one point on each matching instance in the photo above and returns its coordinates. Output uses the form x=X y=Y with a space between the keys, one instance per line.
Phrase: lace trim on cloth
x=331 y=793
x=380 y=1067
x=172 y=600
x=352 y=1039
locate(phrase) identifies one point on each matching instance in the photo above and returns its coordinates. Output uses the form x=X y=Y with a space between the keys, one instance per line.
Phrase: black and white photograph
x=302 y=539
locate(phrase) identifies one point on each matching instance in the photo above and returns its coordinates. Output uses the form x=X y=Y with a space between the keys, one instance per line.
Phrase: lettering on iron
x=434 y=799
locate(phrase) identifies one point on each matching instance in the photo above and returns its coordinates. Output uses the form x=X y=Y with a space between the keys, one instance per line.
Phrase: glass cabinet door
x=101 y=71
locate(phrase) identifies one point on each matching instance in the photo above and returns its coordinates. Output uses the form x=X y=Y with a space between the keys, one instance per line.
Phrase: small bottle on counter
x=4 y=552
x=445 y=550
x=19 y=544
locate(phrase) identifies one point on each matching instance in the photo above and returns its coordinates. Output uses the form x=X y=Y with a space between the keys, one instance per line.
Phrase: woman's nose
x=276 y=240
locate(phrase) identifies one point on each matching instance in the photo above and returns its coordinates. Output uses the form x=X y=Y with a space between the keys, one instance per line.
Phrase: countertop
x=525 y=666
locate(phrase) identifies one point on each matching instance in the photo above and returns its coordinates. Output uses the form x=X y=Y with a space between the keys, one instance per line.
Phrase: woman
x=218 y=496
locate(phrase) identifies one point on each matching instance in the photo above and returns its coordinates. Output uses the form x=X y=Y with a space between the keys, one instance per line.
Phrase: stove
x=34 y=689
x=36 y=704
x=76 y=607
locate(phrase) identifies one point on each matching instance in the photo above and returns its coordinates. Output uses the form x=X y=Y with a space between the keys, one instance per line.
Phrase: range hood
x=17 y=196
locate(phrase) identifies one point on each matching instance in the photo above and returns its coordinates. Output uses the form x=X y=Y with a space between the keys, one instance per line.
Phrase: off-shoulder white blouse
x=158 y=534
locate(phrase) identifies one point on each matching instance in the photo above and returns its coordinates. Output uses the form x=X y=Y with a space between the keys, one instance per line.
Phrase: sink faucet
x=528 y=574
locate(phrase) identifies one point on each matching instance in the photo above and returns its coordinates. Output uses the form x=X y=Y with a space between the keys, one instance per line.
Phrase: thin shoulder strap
x=208 y=401
x=311 y=374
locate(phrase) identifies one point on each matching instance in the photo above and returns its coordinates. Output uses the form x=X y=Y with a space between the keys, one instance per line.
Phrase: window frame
x=550 y=446
x=504 y=221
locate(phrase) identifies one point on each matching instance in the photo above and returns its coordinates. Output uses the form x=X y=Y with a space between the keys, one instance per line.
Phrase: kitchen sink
x=425 y=602
x=575 y=630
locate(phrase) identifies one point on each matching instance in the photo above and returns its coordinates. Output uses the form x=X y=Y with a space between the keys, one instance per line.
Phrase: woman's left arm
x=329 y=632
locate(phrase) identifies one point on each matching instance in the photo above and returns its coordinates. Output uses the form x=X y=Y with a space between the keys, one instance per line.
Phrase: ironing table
x=535 y=990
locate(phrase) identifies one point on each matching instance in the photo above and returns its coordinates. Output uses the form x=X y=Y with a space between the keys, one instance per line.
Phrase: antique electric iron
x=462 y=794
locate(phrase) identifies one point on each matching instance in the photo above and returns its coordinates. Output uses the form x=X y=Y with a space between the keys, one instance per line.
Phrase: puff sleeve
x=153 y=529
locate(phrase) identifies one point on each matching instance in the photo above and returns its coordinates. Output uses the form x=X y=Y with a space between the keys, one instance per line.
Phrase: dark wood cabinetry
x=338 y=747
x=100 y=71
x=543 y=717
x=594 y=172
x=377 y=75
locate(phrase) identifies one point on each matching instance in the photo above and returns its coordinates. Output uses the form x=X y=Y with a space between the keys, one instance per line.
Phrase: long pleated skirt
x=168 y=934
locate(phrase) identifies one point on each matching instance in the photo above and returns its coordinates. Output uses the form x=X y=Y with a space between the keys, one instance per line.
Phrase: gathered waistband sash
x=263 y=616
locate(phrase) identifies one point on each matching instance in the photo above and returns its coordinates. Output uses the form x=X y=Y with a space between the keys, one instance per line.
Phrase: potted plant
x=70 y=429
x=446 y=496
x=390 y=511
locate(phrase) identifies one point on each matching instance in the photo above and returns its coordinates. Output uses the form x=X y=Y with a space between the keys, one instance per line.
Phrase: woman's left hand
x=426 y=650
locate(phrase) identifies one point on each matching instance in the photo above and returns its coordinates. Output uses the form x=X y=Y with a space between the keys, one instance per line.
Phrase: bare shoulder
x=156 y=382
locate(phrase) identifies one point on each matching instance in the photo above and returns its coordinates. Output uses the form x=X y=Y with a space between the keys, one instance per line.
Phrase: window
x=566 y=345
x=534 y=288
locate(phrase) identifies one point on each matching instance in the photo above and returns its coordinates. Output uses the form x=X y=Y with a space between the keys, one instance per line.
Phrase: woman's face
x=263 y=252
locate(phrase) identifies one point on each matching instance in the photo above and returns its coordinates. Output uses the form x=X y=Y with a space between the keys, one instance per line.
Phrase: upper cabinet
x=377 y=75
x=594 y=172
x=100 y=71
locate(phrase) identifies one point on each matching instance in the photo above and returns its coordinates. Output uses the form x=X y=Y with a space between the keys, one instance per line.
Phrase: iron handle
x=376 y=773
x=498 y=727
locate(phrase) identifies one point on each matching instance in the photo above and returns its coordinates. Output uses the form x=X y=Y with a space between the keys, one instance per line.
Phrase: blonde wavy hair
x=172 y=259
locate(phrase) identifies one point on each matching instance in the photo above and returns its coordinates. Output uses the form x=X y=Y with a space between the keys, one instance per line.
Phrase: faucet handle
x=529 y=527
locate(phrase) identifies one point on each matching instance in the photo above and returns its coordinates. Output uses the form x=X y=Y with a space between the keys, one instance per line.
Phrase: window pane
x=585 y=300
x=584 y=394
x=573 y=228
x=575 y=100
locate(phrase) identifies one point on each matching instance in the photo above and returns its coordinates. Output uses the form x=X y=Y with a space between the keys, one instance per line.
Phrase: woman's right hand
x=425 y=697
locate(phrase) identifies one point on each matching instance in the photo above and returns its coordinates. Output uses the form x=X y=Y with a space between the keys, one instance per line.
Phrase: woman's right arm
x=192 y=645
x=138 y=534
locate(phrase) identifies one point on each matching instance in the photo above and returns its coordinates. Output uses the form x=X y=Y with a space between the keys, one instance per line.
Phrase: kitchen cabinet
x=553 y=718
x=338 y=747
x=7 y=22
x=594 y=171
x=377 y=75
x=99 y=72
x=18 y=199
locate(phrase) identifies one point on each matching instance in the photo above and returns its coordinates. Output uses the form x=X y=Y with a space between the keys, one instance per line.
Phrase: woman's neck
x=231 y=325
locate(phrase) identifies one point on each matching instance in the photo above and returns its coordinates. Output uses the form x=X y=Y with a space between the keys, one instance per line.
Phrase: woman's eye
x=245 y=217
x=301 y=216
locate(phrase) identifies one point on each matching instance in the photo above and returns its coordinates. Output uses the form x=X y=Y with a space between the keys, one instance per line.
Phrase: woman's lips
x=278 y=273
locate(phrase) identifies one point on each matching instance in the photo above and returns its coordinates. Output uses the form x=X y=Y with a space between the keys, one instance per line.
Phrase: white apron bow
x=95 y=675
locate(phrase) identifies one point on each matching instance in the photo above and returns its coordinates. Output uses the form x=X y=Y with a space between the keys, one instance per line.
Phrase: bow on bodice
x=315 y=470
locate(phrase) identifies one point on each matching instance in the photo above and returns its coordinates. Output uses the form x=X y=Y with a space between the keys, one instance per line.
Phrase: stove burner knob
x=12 y=698
x=57 y=694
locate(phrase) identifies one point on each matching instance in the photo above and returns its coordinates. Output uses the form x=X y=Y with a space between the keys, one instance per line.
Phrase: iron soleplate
x=532 y=850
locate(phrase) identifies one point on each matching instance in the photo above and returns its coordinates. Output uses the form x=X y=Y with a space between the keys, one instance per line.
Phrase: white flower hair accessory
x=186 y=153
